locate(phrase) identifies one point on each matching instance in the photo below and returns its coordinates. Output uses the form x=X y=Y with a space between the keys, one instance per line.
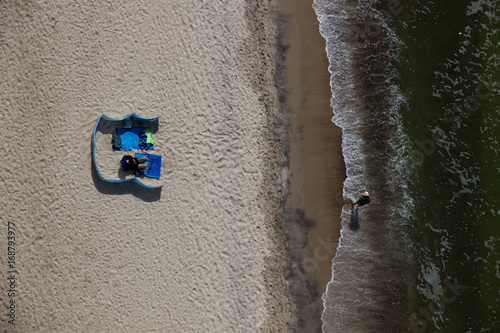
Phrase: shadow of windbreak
x=110 y=126
x=354 y=224
x=143 y=193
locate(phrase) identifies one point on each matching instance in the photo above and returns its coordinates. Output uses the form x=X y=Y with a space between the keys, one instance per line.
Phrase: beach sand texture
x=201 y=255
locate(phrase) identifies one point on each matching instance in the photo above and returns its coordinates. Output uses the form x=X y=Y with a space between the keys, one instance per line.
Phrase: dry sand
x=206 y=253
x=94 y=257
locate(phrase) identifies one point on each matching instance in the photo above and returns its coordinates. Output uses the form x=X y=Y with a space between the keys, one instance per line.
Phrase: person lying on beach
x=363 y=200
x=130 y=163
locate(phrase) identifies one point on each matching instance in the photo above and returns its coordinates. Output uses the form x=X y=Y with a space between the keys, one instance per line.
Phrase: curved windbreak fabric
x=133 y=117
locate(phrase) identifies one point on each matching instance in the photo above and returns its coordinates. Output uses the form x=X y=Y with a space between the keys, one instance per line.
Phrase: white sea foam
x=361 y=50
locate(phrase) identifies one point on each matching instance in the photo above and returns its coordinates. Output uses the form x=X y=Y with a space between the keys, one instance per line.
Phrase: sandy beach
x=252 y=168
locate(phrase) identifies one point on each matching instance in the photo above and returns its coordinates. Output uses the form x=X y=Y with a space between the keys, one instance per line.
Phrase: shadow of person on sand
x=143 y=193
x=354 y=224
x=122 y=174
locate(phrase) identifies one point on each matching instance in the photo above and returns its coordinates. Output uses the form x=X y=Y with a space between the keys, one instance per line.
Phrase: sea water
x=416 y=90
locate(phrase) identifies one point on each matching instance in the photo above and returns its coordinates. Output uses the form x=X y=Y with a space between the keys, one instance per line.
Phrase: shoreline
x=314 y=202
x=319 y=139
x=305 y=163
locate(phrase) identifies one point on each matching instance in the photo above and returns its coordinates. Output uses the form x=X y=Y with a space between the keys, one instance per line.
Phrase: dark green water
x=449 y=67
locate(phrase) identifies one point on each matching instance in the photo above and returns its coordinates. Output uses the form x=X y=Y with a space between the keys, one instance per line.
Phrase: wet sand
x=316 y=163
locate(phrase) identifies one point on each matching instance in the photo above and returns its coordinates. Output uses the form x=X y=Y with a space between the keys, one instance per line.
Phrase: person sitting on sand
x=130 y=163
x=363 y=200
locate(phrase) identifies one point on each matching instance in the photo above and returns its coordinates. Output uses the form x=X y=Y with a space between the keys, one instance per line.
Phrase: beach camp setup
x=130 y=132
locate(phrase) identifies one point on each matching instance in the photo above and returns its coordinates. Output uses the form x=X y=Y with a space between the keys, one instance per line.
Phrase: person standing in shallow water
x=363 y=200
